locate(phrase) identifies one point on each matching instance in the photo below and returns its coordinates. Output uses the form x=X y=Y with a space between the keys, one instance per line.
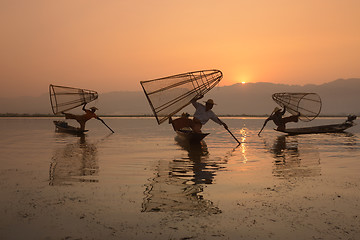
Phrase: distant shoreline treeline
x=144 y=115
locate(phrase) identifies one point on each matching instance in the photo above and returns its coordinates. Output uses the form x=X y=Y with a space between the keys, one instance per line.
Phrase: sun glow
x=243 y=78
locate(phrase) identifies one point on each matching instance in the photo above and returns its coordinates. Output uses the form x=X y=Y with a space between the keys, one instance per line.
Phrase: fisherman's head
x=209 y=104
x=93 y=109
x=276 y=109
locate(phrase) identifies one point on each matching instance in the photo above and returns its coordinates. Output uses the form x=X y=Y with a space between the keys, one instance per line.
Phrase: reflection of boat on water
x=62 y=126
x=178 y=185
x=168 y=192
x=294 y=161
x=76 y=162
x=332 y=128
x=195 y=149
x=202 y=170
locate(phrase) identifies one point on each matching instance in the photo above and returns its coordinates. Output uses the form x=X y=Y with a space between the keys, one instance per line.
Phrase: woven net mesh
x=307 y=104
x=66 y=98
x=169 y=95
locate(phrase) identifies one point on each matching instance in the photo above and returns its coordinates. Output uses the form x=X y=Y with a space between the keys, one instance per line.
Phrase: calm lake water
x=142 y=183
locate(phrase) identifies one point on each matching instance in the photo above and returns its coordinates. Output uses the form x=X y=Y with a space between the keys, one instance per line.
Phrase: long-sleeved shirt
x=202 y=115
x=277 y=117
x=88 y=115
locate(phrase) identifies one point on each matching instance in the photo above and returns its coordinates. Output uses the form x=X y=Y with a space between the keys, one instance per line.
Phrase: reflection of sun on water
x=243 y=144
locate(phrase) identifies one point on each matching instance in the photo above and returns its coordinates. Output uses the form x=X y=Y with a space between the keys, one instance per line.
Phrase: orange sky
x=112 y=45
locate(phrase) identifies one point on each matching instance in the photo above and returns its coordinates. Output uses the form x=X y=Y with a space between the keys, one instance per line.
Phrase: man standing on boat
x=82 y=119
x=280 y=121
x=201 y=116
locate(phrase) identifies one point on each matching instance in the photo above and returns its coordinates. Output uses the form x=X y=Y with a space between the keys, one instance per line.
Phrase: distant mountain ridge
x=339 y=97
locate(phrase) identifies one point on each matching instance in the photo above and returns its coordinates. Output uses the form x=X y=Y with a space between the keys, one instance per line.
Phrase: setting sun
x=245 y=76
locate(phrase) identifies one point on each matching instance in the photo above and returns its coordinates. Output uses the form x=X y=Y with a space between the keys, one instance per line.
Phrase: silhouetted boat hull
x=191 y=136
x=332 y=128
x=62 y=126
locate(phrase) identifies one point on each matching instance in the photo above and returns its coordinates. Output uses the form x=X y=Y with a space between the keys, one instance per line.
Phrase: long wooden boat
x=191 y=136
x=62 y=126
x=332 y=128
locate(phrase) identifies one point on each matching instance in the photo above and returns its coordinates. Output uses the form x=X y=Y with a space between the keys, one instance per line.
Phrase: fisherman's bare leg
x=294 y=118
x=285 y=120
x=196 y=125
x=82 y=125
x=281 y=127
x=69 y=116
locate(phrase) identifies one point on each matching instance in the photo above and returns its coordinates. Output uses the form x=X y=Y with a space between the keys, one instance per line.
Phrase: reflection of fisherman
x=82 y=119
x=76 y=162
x=280 y=121
x=201 y=116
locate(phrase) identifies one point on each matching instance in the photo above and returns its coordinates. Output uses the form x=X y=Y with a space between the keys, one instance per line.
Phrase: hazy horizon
x=339 y=97
x=46 y=88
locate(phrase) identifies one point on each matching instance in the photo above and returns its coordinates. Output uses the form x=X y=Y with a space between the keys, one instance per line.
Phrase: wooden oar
x=233 y=136
x=105 y=124
x=262 y=128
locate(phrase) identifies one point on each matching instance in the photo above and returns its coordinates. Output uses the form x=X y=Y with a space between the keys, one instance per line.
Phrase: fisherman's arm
x=224 y=124
x=283 y=112
x=83 y=108
x=218 y=121
x=268 y=119
x=194 y=100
